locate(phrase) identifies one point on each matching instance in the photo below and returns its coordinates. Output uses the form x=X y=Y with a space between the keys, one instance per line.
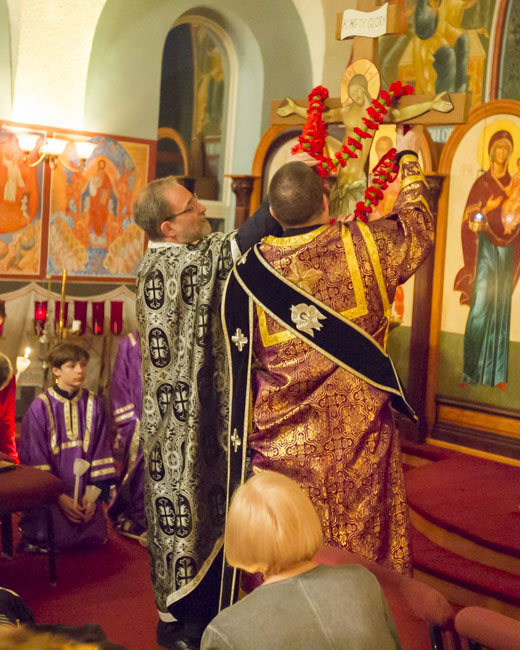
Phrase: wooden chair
x=484 y=628
x=21 y=488
x=423 y=617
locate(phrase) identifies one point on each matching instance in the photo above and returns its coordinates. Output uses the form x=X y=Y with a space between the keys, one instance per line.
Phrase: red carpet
x=488 y=581
x=466 y=536
x=461 y=500
x=109 y=586
x=476 y=498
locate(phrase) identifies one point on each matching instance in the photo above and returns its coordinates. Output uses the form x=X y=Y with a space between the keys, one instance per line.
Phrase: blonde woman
x=21 y=638
x=272 y=527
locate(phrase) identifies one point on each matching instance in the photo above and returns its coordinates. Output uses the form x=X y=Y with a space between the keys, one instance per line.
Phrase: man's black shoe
x=168 y=633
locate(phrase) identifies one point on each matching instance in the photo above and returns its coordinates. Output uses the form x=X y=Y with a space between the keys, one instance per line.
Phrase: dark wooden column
x=242 y=186
x=420 y=334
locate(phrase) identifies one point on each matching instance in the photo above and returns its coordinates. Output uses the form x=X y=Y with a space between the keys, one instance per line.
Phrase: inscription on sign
x=363 y=23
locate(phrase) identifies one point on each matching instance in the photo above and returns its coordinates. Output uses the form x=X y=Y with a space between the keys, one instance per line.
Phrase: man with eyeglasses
x=185 y=400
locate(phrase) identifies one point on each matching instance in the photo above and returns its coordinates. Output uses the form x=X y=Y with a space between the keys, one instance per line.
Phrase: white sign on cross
x=362 y=23
x=366 y=24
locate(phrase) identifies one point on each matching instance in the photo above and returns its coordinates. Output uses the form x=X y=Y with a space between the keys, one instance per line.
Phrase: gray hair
x=151 y=208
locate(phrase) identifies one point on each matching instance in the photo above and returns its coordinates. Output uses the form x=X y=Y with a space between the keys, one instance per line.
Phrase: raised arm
x=259 y=225
x=406 y=234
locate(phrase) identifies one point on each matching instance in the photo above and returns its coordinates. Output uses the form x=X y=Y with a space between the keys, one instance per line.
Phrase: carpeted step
x=469 y=506
x=462 y=581
x=414 y=454
x=429 y=452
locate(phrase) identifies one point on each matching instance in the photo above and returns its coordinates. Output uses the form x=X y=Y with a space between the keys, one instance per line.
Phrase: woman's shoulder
x=350 y=569
x=349 y=573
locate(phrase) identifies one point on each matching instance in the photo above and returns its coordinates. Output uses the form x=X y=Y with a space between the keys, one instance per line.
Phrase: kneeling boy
x=63 y=424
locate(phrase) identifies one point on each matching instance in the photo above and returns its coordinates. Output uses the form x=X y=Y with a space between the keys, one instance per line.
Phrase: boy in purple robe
x=63 y=424
x=127 y=510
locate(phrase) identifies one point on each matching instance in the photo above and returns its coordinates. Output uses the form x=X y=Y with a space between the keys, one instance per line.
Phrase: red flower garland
x=315 y=130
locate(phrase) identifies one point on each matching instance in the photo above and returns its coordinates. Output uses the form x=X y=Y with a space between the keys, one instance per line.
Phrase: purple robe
x=56 y=431
x=126 y=396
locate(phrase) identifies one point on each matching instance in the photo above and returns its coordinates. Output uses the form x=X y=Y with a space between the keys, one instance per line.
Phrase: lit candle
x=27 y=353
x=98 y=317
x=40 y=311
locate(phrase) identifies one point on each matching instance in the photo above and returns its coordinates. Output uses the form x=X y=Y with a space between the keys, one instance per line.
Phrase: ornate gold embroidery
x=411 y=179
x=102 y=461
x=360 y=309
x=54 y=438
x=45 y=468
x=132 y=339
x=71 y=444
x=101 y=472
x=268 y=338
x=239 y=339
x=426 y=205
x=325 y=426
x=128 y=407
x=235 y=440
x=125 y=416
x=355 y=274
x=376 y=264
x=295 y=240
x=306 y=318
x=70 y=413
x=88 y=420
x=305 y=278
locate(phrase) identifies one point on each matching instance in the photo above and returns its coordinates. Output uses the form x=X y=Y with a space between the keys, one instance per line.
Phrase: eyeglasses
x=191 y=206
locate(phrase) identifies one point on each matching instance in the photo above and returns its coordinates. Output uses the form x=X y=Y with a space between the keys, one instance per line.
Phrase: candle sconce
x=79 y=324
x=40 y=316
x=116 y=317
x=98 y=318
x=51 y=327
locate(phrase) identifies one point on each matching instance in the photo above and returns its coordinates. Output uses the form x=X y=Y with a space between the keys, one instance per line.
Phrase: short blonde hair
x=271 y=525
x=21 y=638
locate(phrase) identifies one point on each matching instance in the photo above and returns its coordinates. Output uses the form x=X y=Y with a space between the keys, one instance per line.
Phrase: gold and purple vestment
x=323 y=426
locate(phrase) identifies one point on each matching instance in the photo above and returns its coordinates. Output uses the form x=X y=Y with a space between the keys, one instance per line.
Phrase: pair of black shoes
x=174 y=636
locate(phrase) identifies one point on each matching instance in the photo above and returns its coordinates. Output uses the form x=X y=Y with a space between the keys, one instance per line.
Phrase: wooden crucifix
x=377 y=18
x=360 y=85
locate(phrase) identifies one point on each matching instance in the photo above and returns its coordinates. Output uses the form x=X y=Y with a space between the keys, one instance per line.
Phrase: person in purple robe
x=127 y=509
x=64 y=424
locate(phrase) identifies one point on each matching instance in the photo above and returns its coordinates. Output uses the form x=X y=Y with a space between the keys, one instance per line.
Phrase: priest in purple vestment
x=63 y=424
x=127 y=510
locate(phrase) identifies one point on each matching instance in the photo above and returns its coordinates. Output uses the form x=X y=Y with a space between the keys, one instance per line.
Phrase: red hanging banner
x=98 y=317
x=116 y=316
